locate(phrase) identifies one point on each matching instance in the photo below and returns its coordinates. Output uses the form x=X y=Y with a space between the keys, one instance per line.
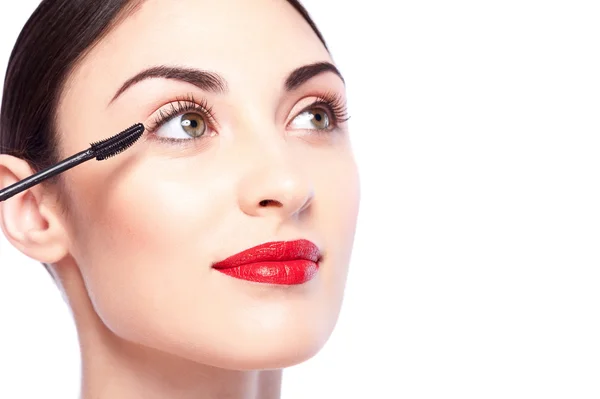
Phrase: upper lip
x=273 y=251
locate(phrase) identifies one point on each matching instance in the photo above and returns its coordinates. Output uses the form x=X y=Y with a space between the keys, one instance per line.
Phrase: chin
x=235 y=332
x=246 y=352
x=262 y=356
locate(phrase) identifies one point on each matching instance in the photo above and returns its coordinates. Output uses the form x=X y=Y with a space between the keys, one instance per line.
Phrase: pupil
x=194 y=124
x=318 y=117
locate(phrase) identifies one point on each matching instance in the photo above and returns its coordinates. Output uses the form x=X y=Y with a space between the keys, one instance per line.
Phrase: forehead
x=265 y=39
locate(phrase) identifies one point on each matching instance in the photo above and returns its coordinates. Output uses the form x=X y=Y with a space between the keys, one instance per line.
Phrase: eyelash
x=332 y=103
x=182 y=106
x=335 y=106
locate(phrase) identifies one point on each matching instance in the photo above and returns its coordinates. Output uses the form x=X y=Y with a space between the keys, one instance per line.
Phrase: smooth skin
x=131 y=240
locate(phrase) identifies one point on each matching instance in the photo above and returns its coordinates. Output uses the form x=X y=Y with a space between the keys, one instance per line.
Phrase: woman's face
x=246 y=144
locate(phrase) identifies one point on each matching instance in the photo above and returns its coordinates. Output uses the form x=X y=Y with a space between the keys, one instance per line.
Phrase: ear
x=31 y=219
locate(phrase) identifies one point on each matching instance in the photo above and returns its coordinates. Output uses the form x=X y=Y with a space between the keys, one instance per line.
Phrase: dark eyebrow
x=208 y=81
x=303 y=74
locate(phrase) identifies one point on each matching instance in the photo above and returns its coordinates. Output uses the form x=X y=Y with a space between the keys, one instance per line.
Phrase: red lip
x=281 y=262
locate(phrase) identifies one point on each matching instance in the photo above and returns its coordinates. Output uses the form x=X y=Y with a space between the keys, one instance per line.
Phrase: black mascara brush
x=101 y=150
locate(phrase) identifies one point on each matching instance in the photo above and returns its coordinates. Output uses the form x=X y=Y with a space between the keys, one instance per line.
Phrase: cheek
x=150 y=215
x=146 y=240
x=338 y=200
x=335 y=215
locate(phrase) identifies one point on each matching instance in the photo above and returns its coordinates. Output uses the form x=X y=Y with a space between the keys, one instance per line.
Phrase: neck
x=115 y=369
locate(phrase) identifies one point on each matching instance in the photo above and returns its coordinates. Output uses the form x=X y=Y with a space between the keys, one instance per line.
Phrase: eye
x=187 y=126
x=312 y=119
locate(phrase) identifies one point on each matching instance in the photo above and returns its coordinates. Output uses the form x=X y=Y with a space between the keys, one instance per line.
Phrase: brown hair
x=57 y=35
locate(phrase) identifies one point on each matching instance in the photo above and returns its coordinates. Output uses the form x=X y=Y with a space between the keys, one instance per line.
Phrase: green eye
x=312 y=119
x=320 y=119
x=193 y=124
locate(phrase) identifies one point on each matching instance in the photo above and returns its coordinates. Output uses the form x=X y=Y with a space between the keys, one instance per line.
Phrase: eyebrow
x=204 y=80
x=213 y=82
x=303 y=74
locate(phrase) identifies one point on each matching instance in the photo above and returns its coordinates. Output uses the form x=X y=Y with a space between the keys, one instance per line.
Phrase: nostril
x=264 y=203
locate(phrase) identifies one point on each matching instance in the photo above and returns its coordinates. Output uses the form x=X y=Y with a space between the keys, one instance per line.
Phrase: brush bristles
x=118 y=143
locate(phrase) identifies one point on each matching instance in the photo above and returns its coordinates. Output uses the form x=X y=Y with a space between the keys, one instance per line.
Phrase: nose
x=275 y=185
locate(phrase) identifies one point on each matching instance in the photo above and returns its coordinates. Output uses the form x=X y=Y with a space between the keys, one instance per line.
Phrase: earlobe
x=30 y=220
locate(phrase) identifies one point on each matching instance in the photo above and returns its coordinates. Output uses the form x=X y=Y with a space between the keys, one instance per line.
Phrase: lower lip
x=292 y=272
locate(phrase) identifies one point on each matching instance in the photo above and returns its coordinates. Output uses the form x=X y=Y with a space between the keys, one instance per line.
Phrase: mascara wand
x=101 y=150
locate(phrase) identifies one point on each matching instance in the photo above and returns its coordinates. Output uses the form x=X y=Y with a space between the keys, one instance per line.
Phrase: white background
x=475 y=273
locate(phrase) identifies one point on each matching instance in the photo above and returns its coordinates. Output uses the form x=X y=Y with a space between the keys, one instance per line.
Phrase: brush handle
x=52 y=171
